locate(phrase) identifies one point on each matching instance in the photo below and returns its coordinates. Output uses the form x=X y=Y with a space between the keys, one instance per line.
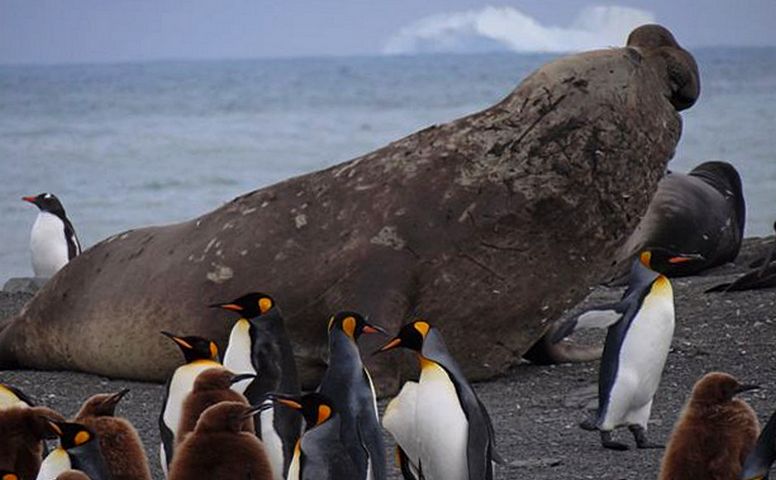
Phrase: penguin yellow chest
x=443 y=430
x=55 y=463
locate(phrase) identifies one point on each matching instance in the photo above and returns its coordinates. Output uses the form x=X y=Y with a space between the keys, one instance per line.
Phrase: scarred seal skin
x=498 y=221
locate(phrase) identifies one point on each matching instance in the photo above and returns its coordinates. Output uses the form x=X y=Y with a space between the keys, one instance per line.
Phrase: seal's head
x=680 y=69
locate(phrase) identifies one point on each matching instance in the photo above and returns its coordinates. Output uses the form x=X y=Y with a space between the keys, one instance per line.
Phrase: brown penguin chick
x=221 y=447
x=73 y=475
x=23 y=430
x=714 y=434
x=212 y=386
x=120 y=443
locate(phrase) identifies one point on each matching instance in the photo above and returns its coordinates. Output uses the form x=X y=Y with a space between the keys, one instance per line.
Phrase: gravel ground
x=536 y=409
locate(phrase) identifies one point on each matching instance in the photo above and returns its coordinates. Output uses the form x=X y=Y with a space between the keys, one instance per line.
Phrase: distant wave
x=506 y=28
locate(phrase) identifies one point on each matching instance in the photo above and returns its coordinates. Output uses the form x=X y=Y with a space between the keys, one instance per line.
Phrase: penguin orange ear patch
x=213 y=350
x=81 y=437
x=10 y=476
x=349 y=326
x=265 y=304
x=422 y=327
x=324 y=412
x=645 y=258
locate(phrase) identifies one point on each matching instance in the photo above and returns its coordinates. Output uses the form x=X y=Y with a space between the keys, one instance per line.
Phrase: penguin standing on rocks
x=200 y=354
x=78 y=449
x=23 y=431
x=641 y=326
x=259 y=344
x=220 y=449
x=348 y=385
x=441 y=427
x=120 y=443
x=758 y=463
x=714 y=434
x=320 y=453
x=53 y=241
x=212 y=386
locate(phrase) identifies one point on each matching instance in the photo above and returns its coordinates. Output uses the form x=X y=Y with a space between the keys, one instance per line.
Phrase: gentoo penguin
x=23 y=431
x=714 y=434
x=53 y=241
x=200 y=354
x=78 y=449
x=220 y=449
x=258 y=344
x=442 y=429
x=758 y=463
x=212 y=386
x=350 y=389
x=320 y=453
x=120 y=443
x=73 y=475
x=641 y=326
x=13 y=397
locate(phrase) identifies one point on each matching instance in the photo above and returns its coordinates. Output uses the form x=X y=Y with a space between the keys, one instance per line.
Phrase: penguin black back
x=221 y=448
x=714 y=434
x=119 y=442
x=349 y=387
x=758 y=463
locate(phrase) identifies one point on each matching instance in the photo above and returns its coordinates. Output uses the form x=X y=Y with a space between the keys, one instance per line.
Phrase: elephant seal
x=702 y=212
x=498 y=221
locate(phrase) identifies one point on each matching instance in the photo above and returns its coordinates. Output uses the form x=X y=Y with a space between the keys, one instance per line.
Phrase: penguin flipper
x=601 y=316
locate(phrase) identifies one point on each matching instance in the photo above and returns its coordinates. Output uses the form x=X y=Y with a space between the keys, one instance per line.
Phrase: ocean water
x=129 y=145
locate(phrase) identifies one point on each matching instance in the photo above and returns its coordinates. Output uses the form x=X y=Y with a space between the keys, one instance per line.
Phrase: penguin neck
x=343 y=350
x=272 y=323
x=88 y=458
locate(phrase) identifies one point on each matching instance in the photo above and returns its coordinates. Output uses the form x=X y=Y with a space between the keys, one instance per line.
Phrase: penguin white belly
x=442 y=428
x=643 y=354
x=399 y=420
x=273 y=445
x=48 y=245
x=181 y=385
x=294 y=466
x=55 y=463
x=237 y=358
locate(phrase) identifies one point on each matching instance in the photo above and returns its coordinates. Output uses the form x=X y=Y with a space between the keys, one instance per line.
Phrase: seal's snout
x=684 y=81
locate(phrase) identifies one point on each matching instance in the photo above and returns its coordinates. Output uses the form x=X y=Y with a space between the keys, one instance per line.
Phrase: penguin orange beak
x=228 y=306
x=369 y=328
x=183 y=343
x=29 y=199
x=685 y=258
x=288 y=401
x=395 y=343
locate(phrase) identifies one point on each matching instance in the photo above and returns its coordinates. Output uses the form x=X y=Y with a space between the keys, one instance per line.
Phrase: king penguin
x=757 y=465
x=259 y=344
x=640 y=329
x=349 y=386
x=53 y=241
x=441 y=427
x=220 y=449
x=78 y=449
x=320 y=453
x=120 y=443
x=212 y=386
x=200 y=354
x=13 y=397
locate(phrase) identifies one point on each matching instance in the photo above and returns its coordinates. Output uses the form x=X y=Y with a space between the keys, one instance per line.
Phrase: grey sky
x=59 y=31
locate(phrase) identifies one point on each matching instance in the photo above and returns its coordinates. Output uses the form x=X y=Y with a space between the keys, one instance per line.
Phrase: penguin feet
x=640 y=434
x=607 y=442
x=588 y=424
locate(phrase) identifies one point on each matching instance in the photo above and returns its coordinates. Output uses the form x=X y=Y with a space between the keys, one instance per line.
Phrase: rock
x=24 y=284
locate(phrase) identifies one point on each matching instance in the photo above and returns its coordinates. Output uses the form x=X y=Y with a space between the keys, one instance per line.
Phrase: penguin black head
x=316 y=408
x=195 y=348
x=251 y=305
x=227 y=417
x=101 y=405
x=410 y=336
x=218 y=379
x=47 y=202
x=668 y=262
x=8 y=475
x=353 y=324
x=71 y=435
x=717 y=388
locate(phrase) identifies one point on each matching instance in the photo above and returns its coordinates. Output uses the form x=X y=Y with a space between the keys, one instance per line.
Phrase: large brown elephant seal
x=488 y=226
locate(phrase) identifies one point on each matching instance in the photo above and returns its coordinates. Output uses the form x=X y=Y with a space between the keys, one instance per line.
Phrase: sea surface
x=136 y=144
